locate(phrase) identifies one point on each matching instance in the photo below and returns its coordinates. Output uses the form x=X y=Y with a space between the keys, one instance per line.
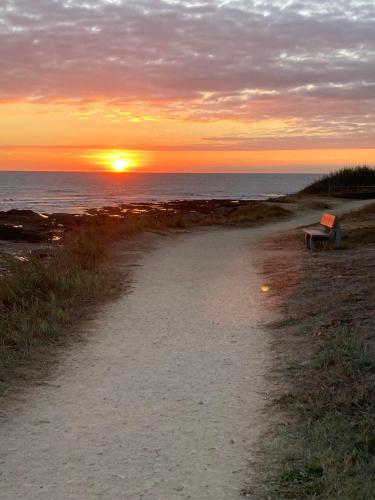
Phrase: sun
x=120 y=164
x=115 y=160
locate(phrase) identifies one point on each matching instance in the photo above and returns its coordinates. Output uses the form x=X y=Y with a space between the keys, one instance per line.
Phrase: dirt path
x=164 y=400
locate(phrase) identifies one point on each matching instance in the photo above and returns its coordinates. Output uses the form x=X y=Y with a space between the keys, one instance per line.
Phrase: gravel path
x=164 y=400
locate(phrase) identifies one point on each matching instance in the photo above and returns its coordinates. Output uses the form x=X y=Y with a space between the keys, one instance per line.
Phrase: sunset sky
x=187 y=86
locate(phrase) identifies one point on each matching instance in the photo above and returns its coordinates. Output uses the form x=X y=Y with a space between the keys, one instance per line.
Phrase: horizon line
x=156 y=172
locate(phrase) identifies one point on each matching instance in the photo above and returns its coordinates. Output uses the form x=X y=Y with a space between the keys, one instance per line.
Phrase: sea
x=73 y=192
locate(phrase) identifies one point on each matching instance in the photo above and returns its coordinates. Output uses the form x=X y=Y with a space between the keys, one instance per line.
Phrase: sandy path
x=164 y=400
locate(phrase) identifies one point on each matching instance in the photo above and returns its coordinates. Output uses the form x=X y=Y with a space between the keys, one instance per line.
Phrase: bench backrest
x=328 y=220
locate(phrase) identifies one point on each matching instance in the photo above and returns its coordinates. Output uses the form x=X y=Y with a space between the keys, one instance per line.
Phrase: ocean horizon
x=74 y=192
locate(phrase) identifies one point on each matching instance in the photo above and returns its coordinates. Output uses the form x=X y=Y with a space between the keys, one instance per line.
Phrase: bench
x=329 y=231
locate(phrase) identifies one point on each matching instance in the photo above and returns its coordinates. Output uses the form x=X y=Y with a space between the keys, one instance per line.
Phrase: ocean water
x=74 y=192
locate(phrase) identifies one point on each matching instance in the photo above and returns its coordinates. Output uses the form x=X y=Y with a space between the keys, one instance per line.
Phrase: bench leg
x=309 y=242
x=337 y=239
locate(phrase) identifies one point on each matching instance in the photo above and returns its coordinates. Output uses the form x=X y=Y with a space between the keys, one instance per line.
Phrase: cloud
x=199 y=60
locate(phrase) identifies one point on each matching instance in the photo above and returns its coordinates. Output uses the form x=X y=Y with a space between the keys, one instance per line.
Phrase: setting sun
x=115 y=160
x=120 y=164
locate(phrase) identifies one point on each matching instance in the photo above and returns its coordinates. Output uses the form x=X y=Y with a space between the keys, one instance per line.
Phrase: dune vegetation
x=358 y=181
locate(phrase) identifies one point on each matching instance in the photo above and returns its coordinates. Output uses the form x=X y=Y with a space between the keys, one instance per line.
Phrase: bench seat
x=317 y=232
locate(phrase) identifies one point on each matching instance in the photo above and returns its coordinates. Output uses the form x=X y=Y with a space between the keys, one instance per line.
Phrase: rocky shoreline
x=22 y=231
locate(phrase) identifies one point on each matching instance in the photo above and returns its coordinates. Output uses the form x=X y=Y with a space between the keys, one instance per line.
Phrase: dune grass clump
x=346 y=180
x=41 y=296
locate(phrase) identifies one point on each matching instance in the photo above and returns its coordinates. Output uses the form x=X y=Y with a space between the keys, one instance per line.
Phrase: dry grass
x=325 y=345
x=360 y=227
x=319 y=205
x=257 y=213
x=344 y=181
x=42 y=297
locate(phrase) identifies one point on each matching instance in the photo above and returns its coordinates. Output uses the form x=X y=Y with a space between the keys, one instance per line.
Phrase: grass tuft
x=344 y=181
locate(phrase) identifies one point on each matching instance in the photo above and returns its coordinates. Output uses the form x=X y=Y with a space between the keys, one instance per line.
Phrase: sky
x=187 y=85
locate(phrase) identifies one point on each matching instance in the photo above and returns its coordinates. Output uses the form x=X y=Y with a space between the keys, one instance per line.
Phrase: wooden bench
x=330 y=230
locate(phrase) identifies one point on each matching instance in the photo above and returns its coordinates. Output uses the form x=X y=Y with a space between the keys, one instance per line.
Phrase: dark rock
x=20 y=234
x=64 y=219
x=17 y=216
x=222 y=211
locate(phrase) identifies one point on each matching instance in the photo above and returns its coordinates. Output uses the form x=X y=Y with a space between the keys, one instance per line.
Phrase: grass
x=38 y=297
x=360 y=227
x=330 y=451
x=257 y=213
x=360 y=236
x=344 y=181
x=42 y=297
x=324 y=445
